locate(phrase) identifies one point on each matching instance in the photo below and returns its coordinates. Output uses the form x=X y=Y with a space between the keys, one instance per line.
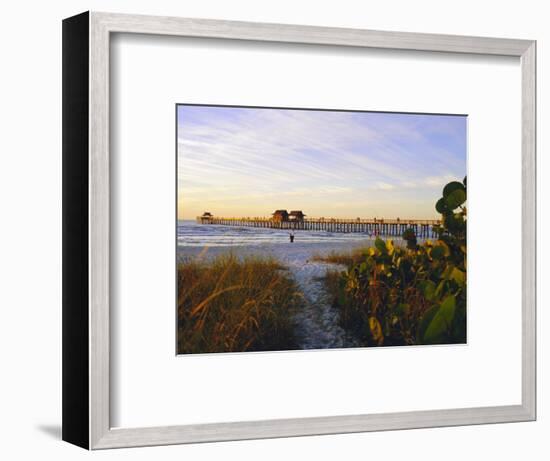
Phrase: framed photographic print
x=275 y=230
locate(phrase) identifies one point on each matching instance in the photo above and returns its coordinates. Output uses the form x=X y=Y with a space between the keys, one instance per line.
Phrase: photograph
x=308 y=229
x=250 y=227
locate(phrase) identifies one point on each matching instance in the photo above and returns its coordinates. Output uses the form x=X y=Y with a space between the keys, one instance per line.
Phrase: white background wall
x=30 y=231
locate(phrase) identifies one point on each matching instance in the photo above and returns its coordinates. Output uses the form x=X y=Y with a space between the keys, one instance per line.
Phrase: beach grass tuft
x=232 y=304
x=347 y=258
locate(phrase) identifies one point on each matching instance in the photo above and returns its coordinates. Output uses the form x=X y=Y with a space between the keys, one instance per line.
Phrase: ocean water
x=191 y=234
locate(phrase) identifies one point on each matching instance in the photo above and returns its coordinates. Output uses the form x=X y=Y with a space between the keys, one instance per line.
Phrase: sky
x=237 y=162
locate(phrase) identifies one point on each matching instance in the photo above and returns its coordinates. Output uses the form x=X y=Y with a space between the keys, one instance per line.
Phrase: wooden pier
x=375 y=226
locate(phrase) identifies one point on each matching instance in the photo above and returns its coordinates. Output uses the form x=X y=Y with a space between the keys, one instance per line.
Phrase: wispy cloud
x=251 y=161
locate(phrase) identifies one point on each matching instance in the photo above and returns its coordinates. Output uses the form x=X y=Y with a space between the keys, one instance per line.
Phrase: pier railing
x=375 y=226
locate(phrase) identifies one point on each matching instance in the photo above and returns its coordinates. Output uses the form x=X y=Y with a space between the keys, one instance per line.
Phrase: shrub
x=413 y=295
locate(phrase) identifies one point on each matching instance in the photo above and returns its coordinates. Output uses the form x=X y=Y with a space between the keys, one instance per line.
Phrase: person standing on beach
x=291 y=236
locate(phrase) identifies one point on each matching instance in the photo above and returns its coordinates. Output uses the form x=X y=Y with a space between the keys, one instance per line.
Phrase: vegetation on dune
x=234 y=305
x=346 y=259
x=413 y=295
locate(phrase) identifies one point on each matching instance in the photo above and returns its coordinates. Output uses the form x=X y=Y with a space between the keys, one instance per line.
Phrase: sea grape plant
x=412 y=295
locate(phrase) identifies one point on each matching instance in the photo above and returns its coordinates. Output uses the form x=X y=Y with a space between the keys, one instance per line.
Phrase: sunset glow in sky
x=249 y=162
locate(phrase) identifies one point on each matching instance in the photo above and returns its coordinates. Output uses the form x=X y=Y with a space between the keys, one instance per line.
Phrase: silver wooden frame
x=100 y=28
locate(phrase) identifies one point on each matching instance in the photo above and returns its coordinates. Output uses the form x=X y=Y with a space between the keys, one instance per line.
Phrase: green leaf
x=453 y=186
x=447 y=273
x=376 y=330
x=425 y=322
x=459 y=322
x=441 y=321
x=454 y=222
x=455 y=198
x=448 y=307
x=437 y=252
x=441 y=206
x=444 y=247
x=428 y=289
x=439 y=288
x=380 y=245
x=458 y=276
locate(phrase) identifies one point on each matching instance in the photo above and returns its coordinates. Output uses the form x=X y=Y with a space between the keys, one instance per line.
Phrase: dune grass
x=229 y=304
x=347 y=259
